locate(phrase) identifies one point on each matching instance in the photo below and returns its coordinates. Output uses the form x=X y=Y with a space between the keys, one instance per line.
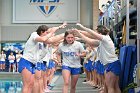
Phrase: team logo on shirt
x=46 y=7
x=40 y=46
x=69 y=53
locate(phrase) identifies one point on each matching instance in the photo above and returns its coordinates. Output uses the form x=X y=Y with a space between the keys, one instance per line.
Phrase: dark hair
x=131 y=2
x=103 y=30
x=66 y=34
x=42 y=29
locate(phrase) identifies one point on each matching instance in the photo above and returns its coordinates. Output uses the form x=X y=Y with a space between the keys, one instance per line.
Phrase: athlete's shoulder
x=77 y=42
x=61 y=44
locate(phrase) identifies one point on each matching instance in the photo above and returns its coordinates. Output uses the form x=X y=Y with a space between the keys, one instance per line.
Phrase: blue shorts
x=114 y=67
x=73 y=71
x=11 y=63
x=23 y=63
x=96 y=65
x=2 y=62
x=99 y=67
x=93 y=66
x=40 y=66
x=88 y=66
x=44 y=67
x=51 y=64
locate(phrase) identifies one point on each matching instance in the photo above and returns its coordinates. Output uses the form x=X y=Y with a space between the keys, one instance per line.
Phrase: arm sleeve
x=81 y=47
x=34 y=35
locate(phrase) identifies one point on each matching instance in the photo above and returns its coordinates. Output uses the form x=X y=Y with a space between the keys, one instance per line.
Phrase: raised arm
x=84 y=28
x=50 y=32
x=55 y=38
x=92 y=42
x=92 y=33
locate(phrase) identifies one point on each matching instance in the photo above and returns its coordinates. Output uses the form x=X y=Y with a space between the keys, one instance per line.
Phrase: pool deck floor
x=57 y=80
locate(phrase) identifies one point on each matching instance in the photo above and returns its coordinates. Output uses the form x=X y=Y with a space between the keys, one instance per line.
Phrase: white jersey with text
x=33 y=50
x=69 y=54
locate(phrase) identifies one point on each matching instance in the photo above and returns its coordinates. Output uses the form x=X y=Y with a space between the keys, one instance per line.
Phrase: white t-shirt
x=87 y=54
x=33 y=50
x=107 y=50
x=97 y=54
x=2 y=57
x=69 y=51
x=11 y=58
x=93 y=54
x=48 y=54
x=18 y=56
x=41 y=53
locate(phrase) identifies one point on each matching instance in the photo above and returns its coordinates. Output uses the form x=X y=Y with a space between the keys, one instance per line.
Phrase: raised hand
x=78 y=24
x=76 y=31
x=63 y=25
